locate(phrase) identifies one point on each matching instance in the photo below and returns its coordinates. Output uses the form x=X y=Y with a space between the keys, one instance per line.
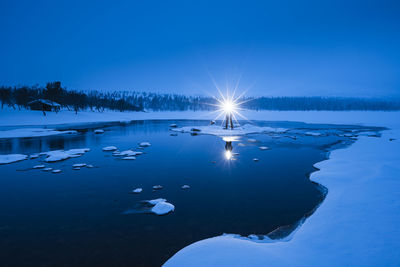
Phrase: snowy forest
x=21 y=97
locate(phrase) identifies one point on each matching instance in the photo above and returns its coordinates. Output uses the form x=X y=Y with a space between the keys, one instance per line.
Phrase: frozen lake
x=89 y=216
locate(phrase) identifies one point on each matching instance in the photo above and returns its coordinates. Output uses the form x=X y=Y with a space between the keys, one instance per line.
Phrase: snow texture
x=129 y=158
x=10 y=158
x=219 y=131
x=109 y=148
x=80 y=165
x=162 y=208
x=137 y=190
x=32 y=132
x=127 y=153
x=144 y=144
x=157 y=187
x=356 y=224
x=58 y=155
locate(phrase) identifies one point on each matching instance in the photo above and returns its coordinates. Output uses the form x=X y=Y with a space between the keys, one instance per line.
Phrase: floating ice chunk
x=129 y=158
x=47 y=169
x=34 y=156
x=263 y=148
x=157 y=187
x=255 y=159
x=313 y=133
x=56 y=171
x=127 y=153
x=89 y=166
x=185 y=186
x=10 y=158
x=38 y=166
x=109 y=148
x=251 y=140
x=137 y=190
x=58 y=155
x=173 y=125
x=155 y=201
x=144 y=144
x=80 y=165
x=99 y=131
x=163 y=208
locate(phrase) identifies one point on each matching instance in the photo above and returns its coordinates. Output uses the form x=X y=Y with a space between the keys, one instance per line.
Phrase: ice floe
x=162 y=208
x=109 y=148
x=313 y=133
x=157 y=187
x=56 y=171
x=10 y=158
x=33 y=156
x=99 y=131
x=263 y=148
x=219 y=131
x=89 y=166
x=80 y=165
x=129 y=158
x=144 y=144
x=127 y=153
x=155 y=201
x=32 y=132
x=38 y=166
x=58 y=155
x=137 y=190
x=255 y=159
x=47 y=169
x=185 y=186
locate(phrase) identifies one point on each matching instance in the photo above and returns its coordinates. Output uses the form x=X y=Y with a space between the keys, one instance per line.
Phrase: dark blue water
x=77 y=217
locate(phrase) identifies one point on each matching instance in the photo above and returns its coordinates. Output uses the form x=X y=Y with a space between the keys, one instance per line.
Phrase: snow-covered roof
x=45 y=101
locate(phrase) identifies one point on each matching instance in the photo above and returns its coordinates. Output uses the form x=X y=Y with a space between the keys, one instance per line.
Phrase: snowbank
x=356 y=225
x=10 y=117
x=10 y=158
x=31 y=132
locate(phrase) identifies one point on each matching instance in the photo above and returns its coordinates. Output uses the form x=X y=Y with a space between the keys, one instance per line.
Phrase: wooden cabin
x=44 y=105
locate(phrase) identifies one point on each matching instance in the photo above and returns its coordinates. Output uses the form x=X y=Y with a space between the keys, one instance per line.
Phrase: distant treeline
x=72 y=100
x=18 y=97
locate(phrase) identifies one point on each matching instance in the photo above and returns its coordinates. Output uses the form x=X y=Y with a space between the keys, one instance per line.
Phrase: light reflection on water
x=76 y=217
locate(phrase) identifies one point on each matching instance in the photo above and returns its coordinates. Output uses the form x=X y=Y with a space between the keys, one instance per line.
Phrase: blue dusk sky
x=275 y=48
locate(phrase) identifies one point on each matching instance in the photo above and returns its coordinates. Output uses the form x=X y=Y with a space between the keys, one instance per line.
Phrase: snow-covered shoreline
x=356 y=224
x=23 y=118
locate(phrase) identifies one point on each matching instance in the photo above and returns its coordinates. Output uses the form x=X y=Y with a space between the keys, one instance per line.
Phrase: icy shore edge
x=356 y=224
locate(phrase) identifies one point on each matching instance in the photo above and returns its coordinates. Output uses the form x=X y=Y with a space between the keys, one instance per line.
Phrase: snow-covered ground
x=357 y=223
x=10 y=117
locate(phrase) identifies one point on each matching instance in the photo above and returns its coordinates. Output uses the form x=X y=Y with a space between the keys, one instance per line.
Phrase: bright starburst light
x=229 y=107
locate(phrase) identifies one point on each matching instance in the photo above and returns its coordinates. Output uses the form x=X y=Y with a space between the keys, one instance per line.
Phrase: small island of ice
x=109 y=148
x=219 y=131
x=58 y=155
